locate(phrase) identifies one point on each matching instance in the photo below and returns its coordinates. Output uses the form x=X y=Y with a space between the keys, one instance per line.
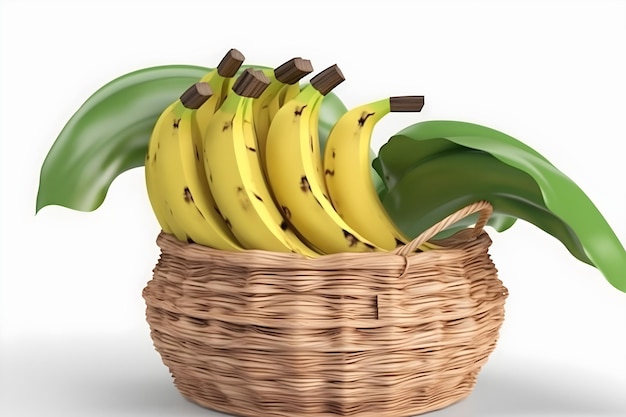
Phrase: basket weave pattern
x=259 y=333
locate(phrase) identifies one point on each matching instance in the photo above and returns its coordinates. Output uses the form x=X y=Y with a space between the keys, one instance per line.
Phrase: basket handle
x=485 y=209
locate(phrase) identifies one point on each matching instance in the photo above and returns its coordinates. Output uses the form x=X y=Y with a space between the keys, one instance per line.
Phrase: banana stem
x=196 y=95
x=328 y=79
x=293 y=70
x=406 y=103
x=251 y=83
x=230 y=64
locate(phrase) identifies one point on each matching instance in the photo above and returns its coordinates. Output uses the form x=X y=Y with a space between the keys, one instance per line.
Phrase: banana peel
x=543 y=195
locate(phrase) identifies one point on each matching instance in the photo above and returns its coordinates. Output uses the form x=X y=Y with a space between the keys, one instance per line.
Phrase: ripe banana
x=217 y=79
x=220 y=81
x=175 y=176
x=347 y=170
x=286 y=93
x=152 y=185
x=294 y=169
x=235 y=175
x=283 y=78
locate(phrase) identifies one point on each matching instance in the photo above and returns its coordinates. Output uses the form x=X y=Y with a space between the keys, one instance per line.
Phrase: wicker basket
x=259 y=333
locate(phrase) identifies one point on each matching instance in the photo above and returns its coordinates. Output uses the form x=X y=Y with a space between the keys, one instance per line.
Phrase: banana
x=217 y=80
x=283 y=78
x=286 y=93
x=235 y=175
x=152 y=183
x=220 y=81
x=175 y=175
x=347 y=170
x=294 y=169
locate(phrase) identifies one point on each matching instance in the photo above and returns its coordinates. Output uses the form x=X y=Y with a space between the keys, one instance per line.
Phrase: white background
x=73 y=339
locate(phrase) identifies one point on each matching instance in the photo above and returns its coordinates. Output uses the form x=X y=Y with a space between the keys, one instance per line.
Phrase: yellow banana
x=152 y=186
x=347 y=170
x=220 y=80
x=294 y=169
x=265 y=106
x=286 y=94
x=234 y=173
x=179 y=172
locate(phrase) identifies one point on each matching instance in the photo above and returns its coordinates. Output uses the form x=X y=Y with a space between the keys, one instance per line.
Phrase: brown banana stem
x=196 y=95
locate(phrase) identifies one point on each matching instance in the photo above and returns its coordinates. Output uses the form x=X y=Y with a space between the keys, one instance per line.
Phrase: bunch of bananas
x=236 y=163
x=245 y=157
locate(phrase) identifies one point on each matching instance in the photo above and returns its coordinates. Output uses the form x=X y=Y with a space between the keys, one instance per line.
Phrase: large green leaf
x=400 y=163
x=108 y=135
x=562 y=200
x=447 y=182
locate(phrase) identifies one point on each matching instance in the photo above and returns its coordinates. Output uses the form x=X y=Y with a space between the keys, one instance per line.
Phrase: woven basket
x=257 y=333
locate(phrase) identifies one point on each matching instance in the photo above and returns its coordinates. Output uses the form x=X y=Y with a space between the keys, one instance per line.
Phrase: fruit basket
x=261 y=333
x=301 y=272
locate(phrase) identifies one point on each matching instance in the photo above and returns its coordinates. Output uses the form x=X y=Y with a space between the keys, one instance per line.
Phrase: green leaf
x=109 y=135
x=561 y=199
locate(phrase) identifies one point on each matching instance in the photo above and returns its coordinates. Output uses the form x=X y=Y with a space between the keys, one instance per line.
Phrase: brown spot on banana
x=243 y=198
x=286 y=211
x=329 y=172
x=258 y=197
x=176 y=123
x=311 y=143
x=352 y=240
x=187 y=195
x=250 y=148
x=364 y=117
x=228 y=125
x=195 y=147
x=228 y=223
x=299 y=110
x=283 y=225
x=304 y=184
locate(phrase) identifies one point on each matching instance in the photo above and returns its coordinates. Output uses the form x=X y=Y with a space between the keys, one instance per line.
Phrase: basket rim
x=195 y=251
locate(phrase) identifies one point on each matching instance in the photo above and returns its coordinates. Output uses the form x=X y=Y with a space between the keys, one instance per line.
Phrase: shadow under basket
x=258 y=333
